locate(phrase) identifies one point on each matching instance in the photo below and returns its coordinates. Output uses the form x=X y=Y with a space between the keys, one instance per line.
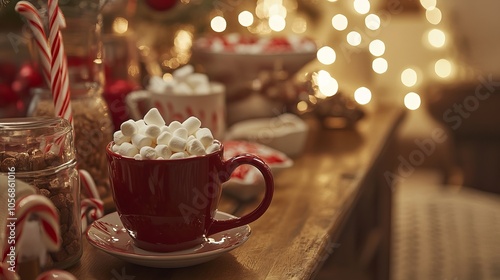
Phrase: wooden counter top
x=312 y=204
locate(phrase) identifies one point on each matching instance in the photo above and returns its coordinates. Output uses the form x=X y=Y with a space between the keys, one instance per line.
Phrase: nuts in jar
x=42 y=153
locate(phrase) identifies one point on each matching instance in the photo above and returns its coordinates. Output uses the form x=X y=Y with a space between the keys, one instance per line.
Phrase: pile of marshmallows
x=184 y=81
x=150 y=138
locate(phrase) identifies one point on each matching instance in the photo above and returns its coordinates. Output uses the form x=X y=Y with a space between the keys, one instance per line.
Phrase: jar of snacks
x=41 y=152
x=93 y=129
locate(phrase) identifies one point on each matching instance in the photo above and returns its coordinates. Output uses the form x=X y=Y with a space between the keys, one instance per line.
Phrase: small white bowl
x=246 y=182
x=286 y=133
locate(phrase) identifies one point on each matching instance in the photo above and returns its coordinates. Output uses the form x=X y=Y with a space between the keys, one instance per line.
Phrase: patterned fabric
x=445 y=233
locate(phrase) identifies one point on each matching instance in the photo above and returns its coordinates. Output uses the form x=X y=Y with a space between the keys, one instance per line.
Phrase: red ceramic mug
x=170 y=205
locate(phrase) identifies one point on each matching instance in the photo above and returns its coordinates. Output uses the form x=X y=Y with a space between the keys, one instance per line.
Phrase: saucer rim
x=169 y=256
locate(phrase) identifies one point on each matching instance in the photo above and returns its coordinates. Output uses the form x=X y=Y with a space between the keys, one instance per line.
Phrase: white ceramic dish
x=286 y=133
x=246 y=181
x=226 y=67
x=109 y=235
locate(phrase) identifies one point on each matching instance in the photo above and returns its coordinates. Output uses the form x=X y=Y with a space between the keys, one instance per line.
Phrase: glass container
x=93 y=130
x=42 y=152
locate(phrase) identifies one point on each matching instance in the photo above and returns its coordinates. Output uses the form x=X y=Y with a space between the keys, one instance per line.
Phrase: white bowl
x=246 y=182
x=286 y=133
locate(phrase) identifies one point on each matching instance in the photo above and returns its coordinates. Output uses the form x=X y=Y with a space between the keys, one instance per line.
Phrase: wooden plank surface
x=311 y=204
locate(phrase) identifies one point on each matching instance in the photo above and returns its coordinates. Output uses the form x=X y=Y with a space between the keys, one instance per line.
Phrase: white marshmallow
x=174 y=125
x=165 y=128
x=127 y=149
x=163 y=151
x=212 y=148
x=181 y=132
x=140 y=124
x=138 y=157
x=182 y=89
x=191 y=124
x=164 y=138
x=177 y=144
x=160 y=158
x=140 y=140
x=178 y=155
x=119 y=138
x=129 y=128
x=183 y=72
x=156 y=85
x=196 y=79
x=153 y=116
x=202 y=89
x=152 y=131
x=195 y=147
x=205 y=136
x=190 y=137
x=148 y=153
x=115 y=148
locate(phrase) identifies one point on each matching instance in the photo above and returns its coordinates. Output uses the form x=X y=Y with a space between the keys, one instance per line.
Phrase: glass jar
x=42 y=151
x=93 y=129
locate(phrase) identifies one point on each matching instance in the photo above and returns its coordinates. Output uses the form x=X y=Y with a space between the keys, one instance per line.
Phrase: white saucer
x=109 y=235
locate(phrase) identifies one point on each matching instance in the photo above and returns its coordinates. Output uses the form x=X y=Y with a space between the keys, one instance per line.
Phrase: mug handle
x=132 y=99
x=228 y=167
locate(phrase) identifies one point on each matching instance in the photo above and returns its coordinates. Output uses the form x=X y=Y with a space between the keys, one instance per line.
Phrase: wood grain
x=313 y=201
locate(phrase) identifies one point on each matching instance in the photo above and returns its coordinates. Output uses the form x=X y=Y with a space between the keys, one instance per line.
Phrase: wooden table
x=330 y=216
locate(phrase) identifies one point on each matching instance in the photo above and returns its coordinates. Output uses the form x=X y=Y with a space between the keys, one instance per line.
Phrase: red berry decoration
x=161 y=5
x=30 y=75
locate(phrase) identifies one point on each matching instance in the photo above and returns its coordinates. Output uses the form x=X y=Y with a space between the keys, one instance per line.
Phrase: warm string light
x=276 y=16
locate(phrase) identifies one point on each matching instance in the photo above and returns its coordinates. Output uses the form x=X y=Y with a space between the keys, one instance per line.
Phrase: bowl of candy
x=239 y=61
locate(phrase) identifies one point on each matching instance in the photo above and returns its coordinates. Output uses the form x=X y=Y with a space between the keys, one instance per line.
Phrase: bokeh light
x=354 y=38
x=120 y=25
x=326 y=55
x=277 y=23
x=412 y=101
x=433 y=16
x=372 y=22
x=245 y=18
x=428 y=4
x=436 y=38
x=340 y=22
x=327 y=85
x=443 y=68
x=380 y=65
x=218 y=24
x=362 y=95
x=362 y=6
x=376 y=47
x=409 y=77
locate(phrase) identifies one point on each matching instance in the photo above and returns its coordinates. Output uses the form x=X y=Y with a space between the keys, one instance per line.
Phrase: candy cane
x=7 y=274
x=59 y=69
x=28 y=11
x=92 y=208
x=41 y=207
x=56 y=274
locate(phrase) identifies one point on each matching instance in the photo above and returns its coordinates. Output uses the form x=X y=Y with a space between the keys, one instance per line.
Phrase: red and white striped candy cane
x=59 y=69
x=6 y=274
x=29 y=12
x=41 y=207
x=92 y=207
